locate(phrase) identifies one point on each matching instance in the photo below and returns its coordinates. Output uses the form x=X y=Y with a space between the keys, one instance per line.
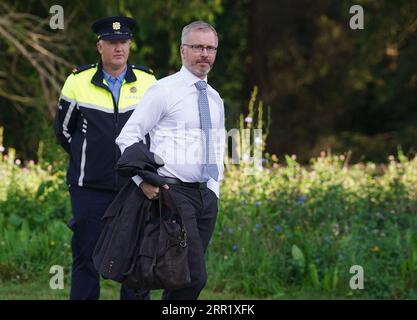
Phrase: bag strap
x=165 y=197
x=169 y=202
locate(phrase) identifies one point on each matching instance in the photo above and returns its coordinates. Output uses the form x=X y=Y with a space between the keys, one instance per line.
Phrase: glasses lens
x=200 y=48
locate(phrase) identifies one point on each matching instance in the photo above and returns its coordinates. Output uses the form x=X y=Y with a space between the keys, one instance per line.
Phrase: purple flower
x=302 y=199
x=257 y=203
x=277 y=228
x=327 y=239
x=248 y=120
x=229 y=230
x=234 y=248
x=257 y=226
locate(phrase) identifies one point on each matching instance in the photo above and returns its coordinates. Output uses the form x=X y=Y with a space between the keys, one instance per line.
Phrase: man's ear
x=98 y=45
x=182 y=51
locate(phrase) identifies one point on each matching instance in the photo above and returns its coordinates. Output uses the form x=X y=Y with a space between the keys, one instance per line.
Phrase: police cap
x=114 y=28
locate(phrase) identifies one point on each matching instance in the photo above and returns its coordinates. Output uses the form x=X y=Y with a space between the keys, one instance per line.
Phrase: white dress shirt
x=169 y=113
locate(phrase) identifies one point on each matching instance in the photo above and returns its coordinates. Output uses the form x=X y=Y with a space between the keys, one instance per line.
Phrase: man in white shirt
x=184 y=117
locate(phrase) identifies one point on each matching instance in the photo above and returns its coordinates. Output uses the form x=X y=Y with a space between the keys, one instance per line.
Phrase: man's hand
x=150 y=191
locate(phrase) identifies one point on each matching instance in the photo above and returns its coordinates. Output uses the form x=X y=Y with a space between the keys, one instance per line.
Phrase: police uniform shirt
x=114 y=83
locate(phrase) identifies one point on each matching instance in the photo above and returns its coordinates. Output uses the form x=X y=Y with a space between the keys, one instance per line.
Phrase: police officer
x=95 y=103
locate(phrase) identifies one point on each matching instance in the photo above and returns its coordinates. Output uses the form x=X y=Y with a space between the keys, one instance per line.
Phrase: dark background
x=328 y=87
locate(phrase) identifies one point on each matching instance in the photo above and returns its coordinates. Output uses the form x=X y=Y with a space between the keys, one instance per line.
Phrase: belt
x=194 y=185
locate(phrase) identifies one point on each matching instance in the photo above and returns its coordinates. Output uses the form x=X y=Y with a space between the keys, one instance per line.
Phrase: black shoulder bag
x=162 y=256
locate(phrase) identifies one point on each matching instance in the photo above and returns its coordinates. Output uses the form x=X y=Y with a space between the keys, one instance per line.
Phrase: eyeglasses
x=198 y=48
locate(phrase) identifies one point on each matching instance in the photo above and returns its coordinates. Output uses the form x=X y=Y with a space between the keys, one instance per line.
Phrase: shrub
x=289 y=230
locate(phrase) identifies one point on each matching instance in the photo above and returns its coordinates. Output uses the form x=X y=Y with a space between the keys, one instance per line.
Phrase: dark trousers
x=199 y=209
x=88 y=207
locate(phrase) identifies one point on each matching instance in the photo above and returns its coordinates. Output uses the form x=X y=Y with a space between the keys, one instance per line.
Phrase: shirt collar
x=120 y=77
x=190 y=78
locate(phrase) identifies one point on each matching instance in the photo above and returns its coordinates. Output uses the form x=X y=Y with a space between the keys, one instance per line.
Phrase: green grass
x=39 y=290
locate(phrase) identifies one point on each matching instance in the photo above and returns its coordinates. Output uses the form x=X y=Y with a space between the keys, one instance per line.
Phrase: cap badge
x=116 y=25
x=133 y=90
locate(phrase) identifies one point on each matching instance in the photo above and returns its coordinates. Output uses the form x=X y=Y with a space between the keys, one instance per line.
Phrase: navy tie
x=205 y=122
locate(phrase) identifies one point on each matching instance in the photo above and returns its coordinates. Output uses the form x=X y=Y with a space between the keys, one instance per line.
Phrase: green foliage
x=288 y=231
x=33 y=209
x=333 y=87
x=300 y=229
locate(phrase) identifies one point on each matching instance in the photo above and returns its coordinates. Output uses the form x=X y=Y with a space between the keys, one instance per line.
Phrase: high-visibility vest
x=88 y=121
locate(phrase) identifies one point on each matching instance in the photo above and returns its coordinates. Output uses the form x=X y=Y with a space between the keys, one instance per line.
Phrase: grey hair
x=197 y=25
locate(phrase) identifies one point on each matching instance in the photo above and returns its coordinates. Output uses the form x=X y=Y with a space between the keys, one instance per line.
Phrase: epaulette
x=83 y=68
x=148 y=70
